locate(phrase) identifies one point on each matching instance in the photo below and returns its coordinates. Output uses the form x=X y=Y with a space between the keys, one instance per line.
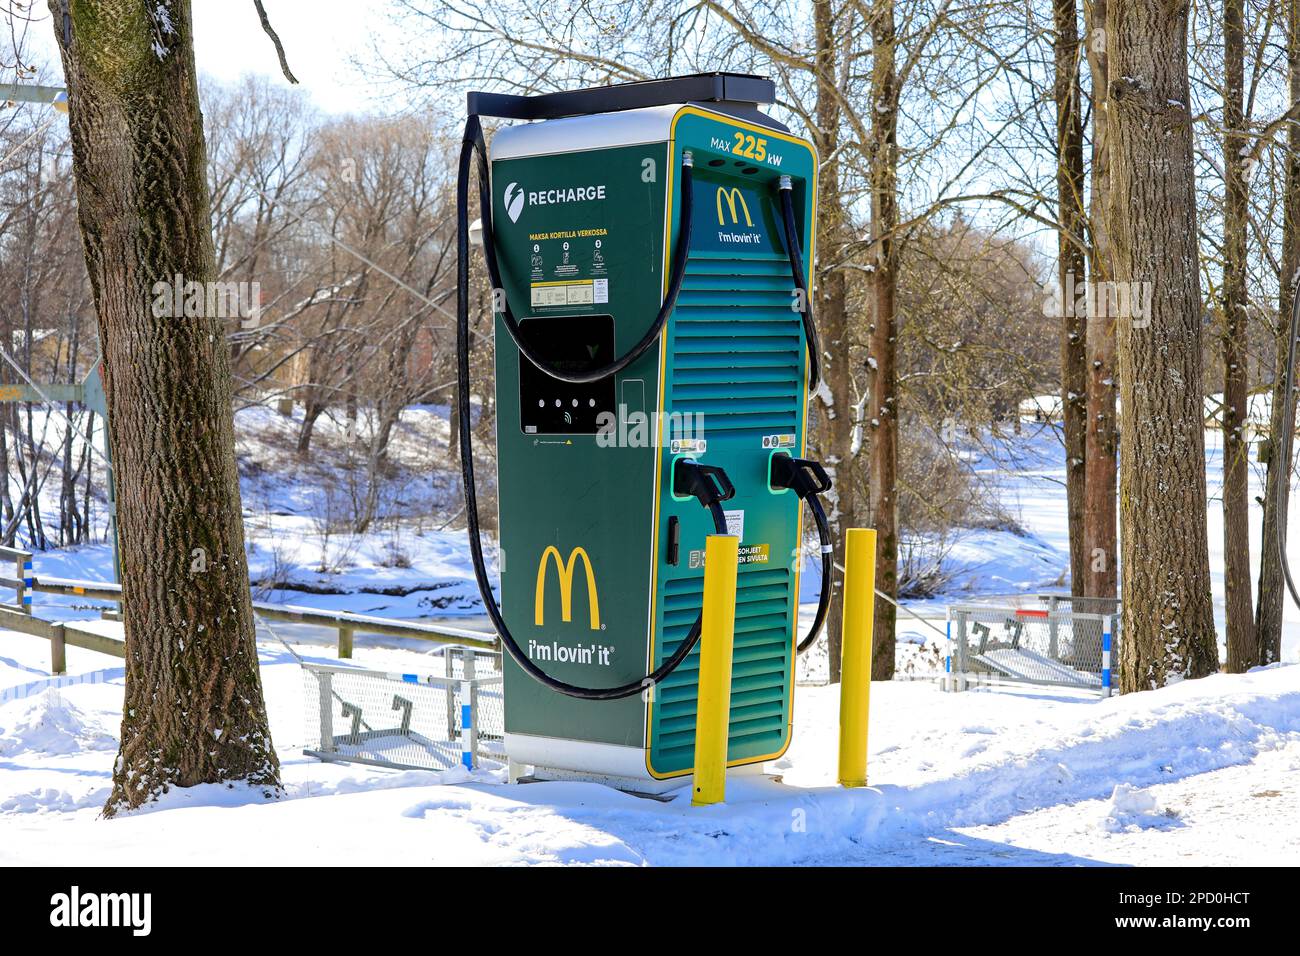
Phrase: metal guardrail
x=991 y=644
x=406 y=721
x=18 y=616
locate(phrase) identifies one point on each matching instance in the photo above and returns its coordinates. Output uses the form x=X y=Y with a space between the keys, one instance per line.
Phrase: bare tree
x=1282 y=424
x=1234 y=302
x=1168 y=620
x=1070 y=270
x=1100 y=544
x=193 y=710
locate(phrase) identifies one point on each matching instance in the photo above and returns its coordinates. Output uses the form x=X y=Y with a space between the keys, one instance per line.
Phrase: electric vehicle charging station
x=647 y=246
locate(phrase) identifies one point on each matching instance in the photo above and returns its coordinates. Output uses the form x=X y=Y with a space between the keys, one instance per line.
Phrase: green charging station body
x=601 y=562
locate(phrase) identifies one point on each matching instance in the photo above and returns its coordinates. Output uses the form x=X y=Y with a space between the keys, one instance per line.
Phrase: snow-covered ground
x=1203 y=772
x=1206 y=771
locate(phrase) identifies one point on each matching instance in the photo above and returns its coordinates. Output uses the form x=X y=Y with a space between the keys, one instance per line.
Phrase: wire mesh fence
x=411 y=721
x=1052 y=645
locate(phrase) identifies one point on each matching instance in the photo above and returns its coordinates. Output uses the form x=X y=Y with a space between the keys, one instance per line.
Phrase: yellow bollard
x=855 y=653
x=713 y=711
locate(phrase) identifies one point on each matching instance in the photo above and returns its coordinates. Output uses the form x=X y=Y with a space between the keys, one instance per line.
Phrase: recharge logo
x=514 y=200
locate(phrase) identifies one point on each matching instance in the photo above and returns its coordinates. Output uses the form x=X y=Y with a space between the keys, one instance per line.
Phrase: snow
x=982 y=777
x=1201 y=772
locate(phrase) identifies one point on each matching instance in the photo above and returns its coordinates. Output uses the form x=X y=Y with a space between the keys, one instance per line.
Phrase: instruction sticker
x=578 y=292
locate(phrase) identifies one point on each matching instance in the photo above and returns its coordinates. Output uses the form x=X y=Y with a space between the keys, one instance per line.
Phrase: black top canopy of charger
x=738 y=89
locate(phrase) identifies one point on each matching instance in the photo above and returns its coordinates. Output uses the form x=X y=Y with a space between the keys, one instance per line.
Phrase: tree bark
x=1070 y=272
x=1277 y=484
x=1100 y=547
x=1242 y=648
x=193 y=711
x=831 y=315
x=883 y=417
x=1168 y=619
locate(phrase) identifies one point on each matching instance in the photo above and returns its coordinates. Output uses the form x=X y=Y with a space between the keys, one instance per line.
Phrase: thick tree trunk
x=883 y=424
x=831 y=315
x=193 y=711
x=1100 y=547
x=1242 y=649
x=1168 y=618
x=1070 y=272
x=1277 y=482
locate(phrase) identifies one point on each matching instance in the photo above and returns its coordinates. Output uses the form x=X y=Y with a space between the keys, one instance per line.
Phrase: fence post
x=345 y=641
x=855 y=654
x=959 y=663
x=325 y=682
x=713 y=707
x=449 y=670
x=1053 y=630
x=948 y=684
x=23 y=572
x=58 y=651
x=1109 y=624
x=467 y=735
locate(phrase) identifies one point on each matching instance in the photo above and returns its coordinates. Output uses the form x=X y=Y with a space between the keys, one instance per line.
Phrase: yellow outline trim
x=663 y=372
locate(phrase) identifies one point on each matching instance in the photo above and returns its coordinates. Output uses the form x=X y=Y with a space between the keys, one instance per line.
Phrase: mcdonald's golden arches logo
x=565 y=570
x=733 y=196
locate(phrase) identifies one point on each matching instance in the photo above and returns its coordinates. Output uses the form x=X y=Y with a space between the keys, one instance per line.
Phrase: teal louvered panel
x=760 y=670
x=737 y=347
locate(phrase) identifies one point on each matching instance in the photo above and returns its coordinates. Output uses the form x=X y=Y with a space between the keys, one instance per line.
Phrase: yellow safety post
x=713 y=710
x=855 y=653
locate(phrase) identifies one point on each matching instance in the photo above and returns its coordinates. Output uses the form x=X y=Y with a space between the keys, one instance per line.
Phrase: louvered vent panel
x=737 y=347
x=759 y=669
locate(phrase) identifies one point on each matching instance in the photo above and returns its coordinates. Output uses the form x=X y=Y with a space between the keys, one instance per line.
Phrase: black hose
x=800 y=282
x=631 y=689
x=808 y=479
x=828 y=568
x=676 y=275
x=1284 y=479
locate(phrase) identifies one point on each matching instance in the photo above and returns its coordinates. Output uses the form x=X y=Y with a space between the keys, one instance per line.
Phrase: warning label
x=748 y=554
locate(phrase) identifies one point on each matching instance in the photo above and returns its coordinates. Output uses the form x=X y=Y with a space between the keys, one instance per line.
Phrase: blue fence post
x=466 y=725
x=29 y=585
x=947 y=661
x=1105 y=656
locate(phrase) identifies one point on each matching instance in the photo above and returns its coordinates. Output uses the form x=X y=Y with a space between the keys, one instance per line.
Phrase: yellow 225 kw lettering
x=751 y=147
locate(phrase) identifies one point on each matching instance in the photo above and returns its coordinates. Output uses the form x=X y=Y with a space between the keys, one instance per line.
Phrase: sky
x=320 y=38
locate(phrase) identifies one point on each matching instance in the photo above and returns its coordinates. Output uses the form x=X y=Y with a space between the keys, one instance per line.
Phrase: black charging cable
x=808 y=479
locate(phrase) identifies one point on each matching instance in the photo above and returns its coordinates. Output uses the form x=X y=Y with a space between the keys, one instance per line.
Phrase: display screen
x=571 y=343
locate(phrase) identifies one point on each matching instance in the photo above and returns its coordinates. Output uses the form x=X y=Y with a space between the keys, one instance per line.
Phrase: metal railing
x=1046 y=646
x=405 y=721
x=18 y=616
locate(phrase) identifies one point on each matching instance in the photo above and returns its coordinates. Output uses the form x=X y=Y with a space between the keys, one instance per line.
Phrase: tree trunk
x=1100 y=548
x=884 y=333
x=831 y=315
x=1168 y=618
x=1277 y=484
x=1242 y=649
x=1070 y=271
x=193 y=711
